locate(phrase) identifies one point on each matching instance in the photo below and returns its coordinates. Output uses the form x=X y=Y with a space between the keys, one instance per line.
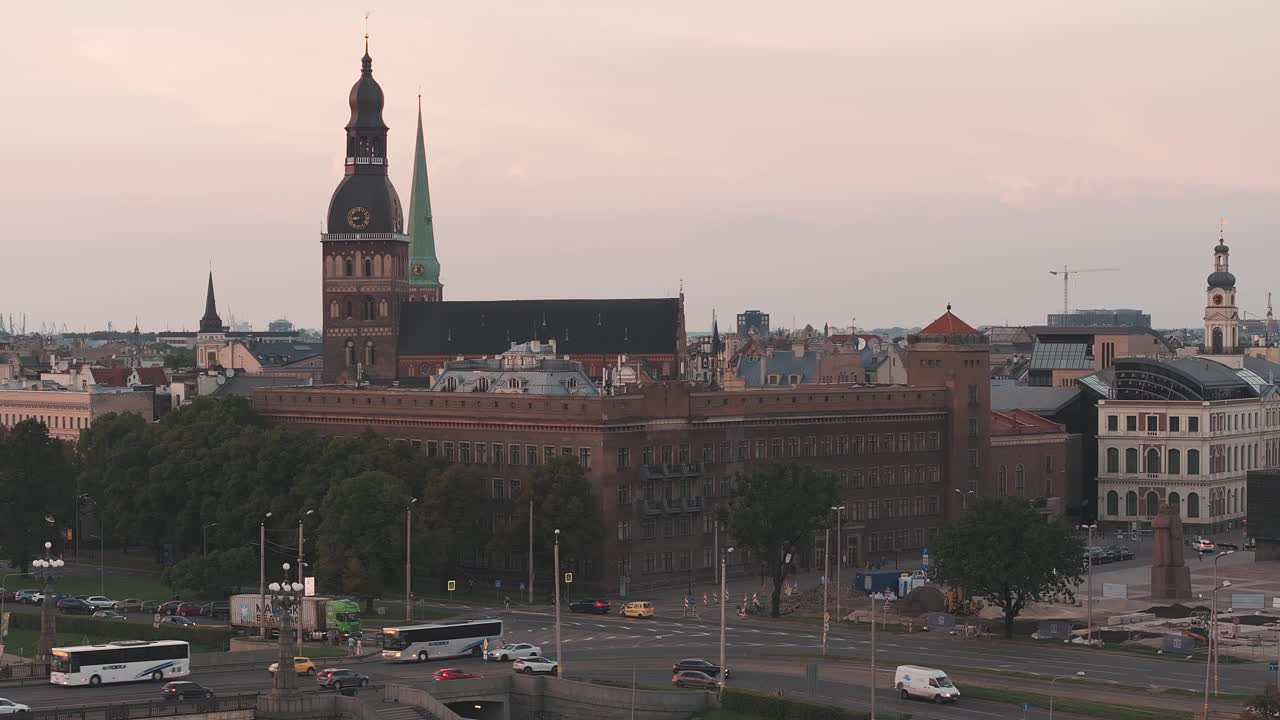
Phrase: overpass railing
x=148 y=709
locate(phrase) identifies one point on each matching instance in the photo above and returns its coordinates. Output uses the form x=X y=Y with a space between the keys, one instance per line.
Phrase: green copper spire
x=424 y=268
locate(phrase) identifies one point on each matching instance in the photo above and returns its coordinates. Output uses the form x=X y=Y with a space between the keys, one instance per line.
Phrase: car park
x=694 y=679
x=339 y=678
x=109 y=615
x=512 y=652
x=301 y=666
x=638 y=609
x=453 y=674
x=1120 y=552
x=128 y=605
x=185 y=690
x=72 y=606
x=589 y=605
x=536 y=665
x=9 y=707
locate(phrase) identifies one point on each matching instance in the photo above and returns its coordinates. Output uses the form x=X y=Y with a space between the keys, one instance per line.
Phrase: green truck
x=318 y=615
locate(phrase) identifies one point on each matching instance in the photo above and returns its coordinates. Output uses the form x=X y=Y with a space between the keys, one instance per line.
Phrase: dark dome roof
x=1221 y=247
x=366 y=98
x=376 y=195
x=1222 y=280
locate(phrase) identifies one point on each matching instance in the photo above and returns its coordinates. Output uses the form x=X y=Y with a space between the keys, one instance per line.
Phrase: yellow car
x=639 y=609
x=301 y=665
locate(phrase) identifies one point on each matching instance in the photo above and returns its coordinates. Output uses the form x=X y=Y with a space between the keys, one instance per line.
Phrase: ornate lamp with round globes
x=46 y=570
x=286 y=600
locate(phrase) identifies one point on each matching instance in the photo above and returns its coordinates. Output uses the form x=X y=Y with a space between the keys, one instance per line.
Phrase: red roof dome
x=948 y=324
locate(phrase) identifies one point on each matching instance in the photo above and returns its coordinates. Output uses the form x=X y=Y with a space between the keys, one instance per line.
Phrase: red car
x=454 y=674
x=8 y=595
x=187 y=609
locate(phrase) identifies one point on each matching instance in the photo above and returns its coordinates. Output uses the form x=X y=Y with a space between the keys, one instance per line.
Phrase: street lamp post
x=1089 y=600
x=724 y=561
x=262 y=574
x=531 y=548
x=839 y=510
x=300 y=567
x=964 y=496
x=204 y=538
x=286 y=598
x=873 y=659
x=1051 y=683
x=1214 y=630
x=826 y=583
x=46 y=571
x=408 y=564
x=556 y=578
x=1208 y=664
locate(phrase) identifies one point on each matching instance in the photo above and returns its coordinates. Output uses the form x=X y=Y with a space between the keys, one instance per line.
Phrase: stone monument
x=1170 y=576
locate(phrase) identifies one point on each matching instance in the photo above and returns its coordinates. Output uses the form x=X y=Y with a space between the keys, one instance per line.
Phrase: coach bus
x=439 y=640
x=120 y=661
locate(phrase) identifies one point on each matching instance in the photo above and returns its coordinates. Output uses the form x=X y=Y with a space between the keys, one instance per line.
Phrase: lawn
x=22 y=641
x=1073 y=706
x=727 y=715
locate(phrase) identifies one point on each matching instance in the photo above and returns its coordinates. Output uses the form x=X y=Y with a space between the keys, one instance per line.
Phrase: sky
x=827 y=161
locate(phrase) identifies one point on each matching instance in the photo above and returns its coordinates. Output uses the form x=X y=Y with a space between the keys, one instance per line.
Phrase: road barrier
x=149 y=709
x=23 y=671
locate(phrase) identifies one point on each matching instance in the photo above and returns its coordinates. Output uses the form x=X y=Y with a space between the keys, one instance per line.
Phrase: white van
x=922 y=682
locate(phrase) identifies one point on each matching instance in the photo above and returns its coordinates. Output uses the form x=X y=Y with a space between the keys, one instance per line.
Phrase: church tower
x=365 y=251
x=212 y=335
x=1221 y=317
x=424 y=268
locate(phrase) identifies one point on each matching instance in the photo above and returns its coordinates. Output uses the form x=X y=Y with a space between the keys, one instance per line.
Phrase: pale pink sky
x=818 y=159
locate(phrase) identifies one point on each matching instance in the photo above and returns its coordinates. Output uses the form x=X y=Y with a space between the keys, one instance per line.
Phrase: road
x=762 y=655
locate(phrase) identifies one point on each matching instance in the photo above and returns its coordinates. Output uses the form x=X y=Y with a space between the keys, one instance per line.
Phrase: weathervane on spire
x=366 y=31
x=1222 y=224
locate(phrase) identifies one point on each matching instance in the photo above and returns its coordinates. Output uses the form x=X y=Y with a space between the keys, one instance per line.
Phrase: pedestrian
x=155 y=621
x=506 y=603
x=1199 y=556
x=359 y=646
x=351 y=645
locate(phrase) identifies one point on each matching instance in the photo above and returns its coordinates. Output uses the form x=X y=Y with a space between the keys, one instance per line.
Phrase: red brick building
x=1035 y=458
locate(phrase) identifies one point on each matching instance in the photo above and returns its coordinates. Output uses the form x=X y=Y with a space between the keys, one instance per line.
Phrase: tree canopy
x=1002 y=549
x=36 y=491
x=563 y=499
x=774 y=512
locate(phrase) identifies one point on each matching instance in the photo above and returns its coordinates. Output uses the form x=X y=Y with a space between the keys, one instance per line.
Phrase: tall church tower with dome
x=1221 y=316
x=365 y=249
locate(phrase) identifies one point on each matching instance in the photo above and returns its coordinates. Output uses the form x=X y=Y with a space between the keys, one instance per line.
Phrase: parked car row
x=1109 y=554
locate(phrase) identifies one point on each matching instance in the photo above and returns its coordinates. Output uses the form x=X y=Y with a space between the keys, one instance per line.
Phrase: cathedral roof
x=948 y=324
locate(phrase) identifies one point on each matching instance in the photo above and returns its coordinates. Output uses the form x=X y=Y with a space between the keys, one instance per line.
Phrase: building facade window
x=1113 y=503
x=1131 y=503
x=1131 y=460
x=1193 y=462
x=1020 y=478
x=1113 y=460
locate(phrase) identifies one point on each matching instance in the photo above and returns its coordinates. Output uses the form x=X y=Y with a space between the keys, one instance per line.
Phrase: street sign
x=453 y=585
x=497 y=584
x=309 y=586
x=924 y=558
x=568 y=578
x=826 y=626
x=1273 y=666
x=826 y=617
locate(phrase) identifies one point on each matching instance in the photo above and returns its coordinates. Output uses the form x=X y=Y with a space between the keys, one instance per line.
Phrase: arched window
x=328 y=266
x=1193 y=464
x=368 y=267
x=1193 y=505
x=482 y=385
x=346 y=267
x=368 y=308
x=388 y=266
x=1174 y=464
x=382 y=308
x=1131 y=503
x=1175 y=502
x=450 y=383
x=1003 y=482
x=349 y=353
x=377 y=266
x=571 y=383
x=1113 y=503
x=1153 y=460
x=368 y=352
x=348 y=309
x=1113 y=460
x=333 y=309
x=1153 y=503
x=514 y=383
x=1020 y=478
x=1131 y=460
x=1216 y=347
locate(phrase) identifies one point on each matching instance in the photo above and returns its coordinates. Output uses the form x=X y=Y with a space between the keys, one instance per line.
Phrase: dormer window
x=450 y=384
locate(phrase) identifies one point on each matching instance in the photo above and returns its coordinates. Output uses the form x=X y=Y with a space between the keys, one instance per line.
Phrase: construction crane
x=1066 y=273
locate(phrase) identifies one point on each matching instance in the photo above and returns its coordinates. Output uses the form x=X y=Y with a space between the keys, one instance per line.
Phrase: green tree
x=452 y=503
x=774 y=511
x=1003 y=549
x=218 y=573
x=178 y=358
x=361 y=537
x=36 y=491
x=563 y=498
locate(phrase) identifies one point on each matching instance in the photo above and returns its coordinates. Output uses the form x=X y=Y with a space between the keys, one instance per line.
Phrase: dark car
x=588 y=605
x=149 y=607
x=218 y=609
x=453 y=674
x=170 y=608
x=177 y=621
x=339 y=678
x=694 y=679
x=130 y=605
x=74 y=605
x=1228 y=546
x=184 y=690
x=1120 y=552
x=696 y=665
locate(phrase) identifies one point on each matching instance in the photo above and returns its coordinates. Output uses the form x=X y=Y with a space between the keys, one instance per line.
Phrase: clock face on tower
x=1217 y=299
x=358 y=218
x=417 y=268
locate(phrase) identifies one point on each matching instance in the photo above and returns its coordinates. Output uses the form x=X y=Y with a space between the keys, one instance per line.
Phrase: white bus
x=120 y=661
x=439 y=640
